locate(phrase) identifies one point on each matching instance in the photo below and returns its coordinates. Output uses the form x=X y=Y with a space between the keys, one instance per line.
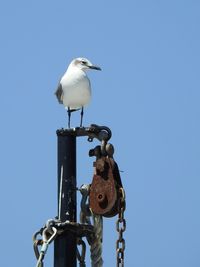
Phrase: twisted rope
x=94 y=241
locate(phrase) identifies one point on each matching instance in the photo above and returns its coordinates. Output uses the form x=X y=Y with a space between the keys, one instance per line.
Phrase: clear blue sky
x=148 y=94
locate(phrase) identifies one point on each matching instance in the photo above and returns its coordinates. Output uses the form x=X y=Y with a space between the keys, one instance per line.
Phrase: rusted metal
x=81 y=230
x=104 y=188
x=121 y=228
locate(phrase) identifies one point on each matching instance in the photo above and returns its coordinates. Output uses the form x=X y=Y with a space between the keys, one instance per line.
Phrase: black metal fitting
x=93 y=131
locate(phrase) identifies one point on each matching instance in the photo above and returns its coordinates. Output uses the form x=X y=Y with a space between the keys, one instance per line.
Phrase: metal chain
x=121 y=227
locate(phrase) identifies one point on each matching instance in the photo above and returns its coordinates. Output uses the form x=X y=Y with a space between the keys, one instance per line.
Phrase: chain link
x=121 y=227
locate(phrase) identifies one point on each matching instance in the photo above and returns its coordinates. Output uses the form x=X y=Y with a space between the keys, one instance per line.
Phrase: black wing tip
x=59 y=94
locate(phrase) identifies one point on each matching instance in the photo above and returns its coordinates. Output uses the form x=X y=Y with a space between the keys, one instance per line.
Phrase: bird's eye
x=83 y=62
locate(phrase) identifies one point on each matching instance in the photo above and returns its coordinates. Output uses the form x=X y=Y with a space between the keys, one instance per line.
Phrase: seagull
x=74 y=89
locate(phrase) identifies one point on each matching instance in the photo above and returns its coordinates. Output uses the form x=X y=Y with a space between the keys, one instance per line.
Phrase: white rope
x=95 y=242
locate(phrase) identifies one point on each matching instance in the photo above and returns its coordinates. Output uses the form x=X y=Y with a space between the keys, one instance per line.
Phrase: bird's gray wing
x=59 y=93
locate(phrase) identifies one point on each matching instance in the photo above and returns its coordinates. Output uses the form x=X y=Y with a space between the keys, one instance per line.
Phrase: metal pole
x=65 y=244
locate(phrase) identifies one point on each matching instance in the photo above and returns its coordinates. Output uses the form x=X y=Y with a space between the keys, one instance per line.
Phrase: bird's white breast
x=76 y=89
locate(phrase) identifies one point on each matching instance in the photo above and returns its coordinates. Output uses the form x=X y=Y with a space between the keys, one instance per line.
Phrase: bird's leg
x=69 y=116
x=81 y=124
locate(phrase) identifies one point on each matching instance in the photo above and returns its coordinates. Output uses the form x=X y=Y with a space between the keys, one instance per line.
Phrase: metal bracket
x=81 y=230
x=101 y=133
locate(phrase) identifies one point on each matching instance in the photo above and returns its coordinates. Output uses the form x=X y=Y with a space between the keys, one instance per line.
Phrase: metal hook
x=81 y=256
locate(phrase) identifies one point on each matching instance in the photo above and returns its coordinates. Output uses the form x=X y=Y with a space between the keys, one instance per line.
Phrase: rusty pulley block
x=104 y=191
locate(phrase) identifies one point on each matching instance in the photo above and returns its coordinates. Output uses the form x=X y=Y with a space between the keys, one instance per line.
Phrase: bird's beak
x=93 y=67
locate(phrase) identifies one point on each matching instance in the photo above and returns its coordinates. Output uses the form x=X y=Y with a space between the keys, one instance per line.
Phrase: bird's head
x=83 y=64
